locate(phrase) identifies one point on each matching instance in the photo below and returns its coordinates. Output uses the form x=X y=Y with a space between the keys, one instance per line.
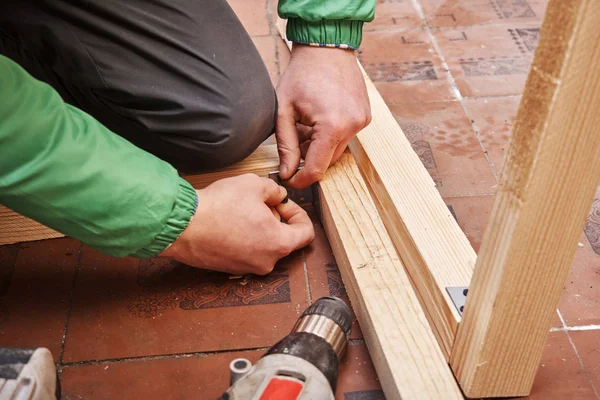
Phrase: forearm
x=62 y=168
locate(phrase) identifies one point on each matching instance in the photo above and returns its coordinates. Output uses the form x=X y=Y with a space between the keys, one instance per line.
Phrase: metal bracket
x=458 y=294
x=299 y=196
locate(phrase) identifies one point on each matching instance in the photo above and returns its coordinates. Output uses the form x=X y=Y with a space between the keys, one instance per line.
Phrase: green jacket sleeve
x=335 y=23
x=61 y=167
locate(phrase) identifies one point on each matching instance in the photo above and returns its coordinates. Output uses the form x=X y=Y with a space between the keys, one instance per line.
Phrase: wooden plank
x=433 y=248
x=406 y=355
x=15 y=228
x=544 y=194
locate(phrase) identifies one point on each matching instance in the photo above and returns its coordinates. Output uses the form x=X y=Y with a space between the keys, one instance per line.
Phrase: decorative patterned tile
x=472 y=214
x=394 y=14
x=580 y=303
x=476 y=12
x=128 y=308
x=442 y=136
x=489 y=60
x=404 y=66
x=560 y=375
x=324 y=277
x=253 y=14
x=36 y=293
x=493 y=118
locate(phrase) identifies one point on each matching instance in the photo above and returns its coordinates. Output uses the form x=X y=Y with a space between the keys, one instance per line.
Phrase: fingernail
x=284 y=201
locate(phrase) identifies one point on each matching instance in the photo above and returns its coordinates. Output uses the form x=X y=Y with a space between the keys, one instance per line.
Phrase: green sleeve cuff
x=343 y=33
x=181 y=215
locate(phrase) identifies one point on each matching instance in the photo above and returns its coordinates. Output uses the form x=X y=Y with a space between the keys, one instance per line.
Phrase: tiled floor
x=452 y=73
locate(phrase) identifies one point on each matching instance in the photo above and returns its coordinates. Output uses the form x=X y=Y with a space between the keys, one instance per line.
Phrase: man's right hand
x=237 y=227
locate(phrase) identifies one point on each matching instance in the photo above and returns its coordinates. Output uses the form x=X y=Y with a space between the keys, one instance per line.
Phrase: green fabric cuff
x=343 y=33
x=183 y=211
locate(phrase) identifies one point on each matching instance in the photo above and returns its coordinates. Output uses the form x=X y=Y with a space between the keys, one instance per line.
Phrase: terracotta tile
x=493 y=118
x=472 y=214
x=127 y=308
x=357 y=379
x=580 y=303
x=588 y=347
x=442 y=136
x=393 y=14
x=489 y=60
x=404 y=66
x=253 y=14
x=266 y=47
x=324 y=276
x=188 y=377
x=477 y=12
x=8 y=258
x=36 y=299
x=560 y=375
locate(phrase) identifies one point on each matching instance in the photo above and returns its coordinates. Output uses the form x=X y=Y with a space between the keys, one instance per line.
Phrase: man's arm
x=61 y=167
x=323 y=101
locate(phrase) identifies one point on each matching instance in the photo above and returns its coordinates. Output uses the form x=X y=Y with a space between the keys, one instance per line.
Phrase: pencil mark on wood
x=405 y=71
x=495 y=66
x=592 y=227
x=166 y=285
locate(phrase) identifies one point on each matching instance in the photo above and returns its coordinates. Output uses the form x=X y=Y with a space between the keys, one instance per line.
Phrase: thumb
x=288 y=144
x=299 y=230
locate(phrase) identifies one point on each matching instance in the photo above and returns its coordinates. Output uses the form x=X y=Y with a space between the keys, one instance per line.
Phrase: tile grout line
x=452 y=82
x=63 y=341
x=452 y=27
x=306 y=280
x=585 y=371
x=156 y=357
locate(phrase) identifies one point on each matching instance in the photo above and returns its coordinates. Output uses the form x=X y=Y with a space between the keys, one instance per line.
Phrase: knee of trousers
x=229 y=132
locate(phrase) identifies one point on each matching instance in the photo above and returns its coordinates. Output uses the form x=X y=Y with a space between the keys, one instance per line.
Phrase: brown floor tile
x=324 y=276
x=404 y=66
x=124 y=308
x=357 y=378
x=393 y=14
x=489 y=60
x=493 y=118
x=472 y=214
x=193 y=377
x=476 y=12
x=442 y=136
x=266 y=47
x=36 y=299
x=560 y=375
x=588 y=347
x=580 y=303
x=283 y=54
x=253 y=14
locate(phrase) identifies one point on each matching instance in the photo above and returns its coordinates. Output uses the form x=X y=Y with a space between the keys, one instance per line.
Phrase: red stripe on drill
x=281 y=389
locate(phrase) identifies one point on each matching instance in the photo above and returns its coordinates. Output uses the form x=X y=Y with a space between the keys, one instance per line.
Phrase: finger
x=287 y=144
x=339 y=151
x=304 y=132
x=304 y=148
x=299 y=230
x=275 y=213
x=272 y=193
x=318 y=157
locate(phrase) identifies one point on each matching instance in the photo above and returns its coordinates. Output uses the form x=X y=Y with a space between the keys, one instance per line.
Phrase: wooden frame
x=399 y=249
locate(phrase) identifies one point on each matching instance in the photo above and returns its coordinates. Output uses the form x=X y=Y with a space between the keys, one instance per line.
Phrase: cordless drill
x=302 y=366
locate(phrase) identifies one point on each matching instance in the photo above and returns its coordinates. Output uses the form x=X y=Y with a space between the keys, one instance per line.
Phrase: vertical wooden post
x=551 y=172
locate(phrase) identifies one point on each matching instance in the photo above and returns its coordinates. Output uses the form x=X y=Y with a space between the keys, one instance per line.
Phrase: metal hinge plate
x=458 y=294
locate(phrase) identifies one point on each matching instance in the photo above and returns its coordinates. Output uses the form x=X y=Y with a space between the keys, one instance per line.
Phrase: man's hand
x=237 y=227
x=323 y=103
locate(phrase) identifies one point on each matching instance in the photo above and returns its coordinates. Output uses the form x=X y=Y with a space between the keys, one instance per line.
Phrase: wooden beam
x=15 y=228
x=406 y=355
x=548 y=182
x=433 y=248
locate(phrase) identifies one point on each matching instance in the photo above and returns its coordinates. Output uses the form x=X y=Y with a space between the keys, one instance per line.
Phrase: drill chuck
x=304 y=364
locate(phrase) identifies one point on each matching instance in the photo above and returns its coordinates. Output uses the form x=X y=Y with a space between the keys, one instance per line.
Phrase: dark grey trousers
x=178 y=78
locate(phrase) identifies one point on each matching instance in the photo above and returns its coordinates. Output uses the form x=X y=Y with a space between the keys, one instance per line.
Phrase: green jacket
x=61 y=167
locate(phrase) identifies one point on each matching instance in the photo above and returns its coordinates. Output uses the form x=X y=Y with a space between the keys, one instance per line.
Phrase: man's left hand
x=323 y=104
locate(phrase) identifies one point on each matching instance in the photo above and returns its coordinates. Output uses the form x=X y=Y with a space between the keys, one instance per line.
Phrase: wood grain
x=550 y=176
x=406 y=355
x=15 y=228
x=433 y=248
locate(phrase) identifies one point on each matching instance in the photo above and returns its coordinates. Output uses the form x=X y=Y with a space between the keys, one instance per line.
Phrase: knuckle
x=315 y=174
